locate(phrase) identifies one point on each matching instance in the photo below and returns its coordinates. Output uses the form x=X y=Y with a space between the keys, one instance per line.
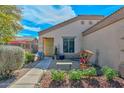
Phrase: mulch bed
x=94 y=82
x=47 y=82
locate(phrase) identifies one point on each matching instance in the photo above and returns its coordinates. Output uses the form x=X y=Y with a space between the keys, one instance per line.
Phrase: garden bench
x=64 y=63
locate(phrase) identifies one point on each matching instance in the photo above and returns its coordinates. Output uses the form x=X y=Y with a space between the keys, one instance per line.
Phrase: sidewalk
x=31 y=78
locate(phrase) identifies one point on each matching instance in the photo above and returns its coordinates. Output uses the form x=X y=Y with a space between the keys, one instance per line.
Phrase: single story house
x=103 y=35
x=66 y=36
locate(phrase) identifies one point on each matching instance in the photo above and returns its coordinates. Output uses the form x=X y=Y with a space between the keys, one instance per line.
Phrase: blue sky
x=37 y=18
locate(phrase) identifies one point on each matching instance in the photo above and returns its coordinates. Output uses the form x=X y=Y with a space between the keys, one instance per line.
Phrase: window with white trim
x=68 y=45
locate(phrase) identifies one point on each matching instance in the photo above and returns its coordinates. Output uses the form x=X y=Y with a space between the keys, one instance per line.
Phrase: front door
x=48 y=46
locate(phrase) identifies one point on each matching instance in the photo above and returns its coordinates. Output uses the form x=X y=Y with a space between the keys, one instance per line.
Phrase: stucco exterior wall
x=106 y=43
x=71 y=30
x=121 y=40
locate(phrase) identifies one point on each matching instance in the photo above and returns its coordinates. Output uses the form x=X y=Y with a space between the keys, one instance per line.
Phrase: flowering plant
x=85 y=56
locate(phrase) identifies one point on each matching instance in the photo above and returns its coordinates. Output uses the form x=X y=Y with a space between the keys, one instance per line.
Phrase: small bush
x=29 y=57
x=78 y=74
x=75 y=75
x=109 y=73
x=57 y=75
x=89 y=72
x=11 y=58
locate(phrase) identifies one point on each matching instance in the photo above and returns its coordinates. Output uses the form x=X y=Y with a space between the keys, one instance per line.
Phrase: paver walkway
x=31 y=78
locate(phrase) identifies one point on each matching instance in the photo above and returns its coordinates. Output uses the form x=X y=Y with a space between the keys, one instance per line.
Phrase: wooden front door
x=48 y=46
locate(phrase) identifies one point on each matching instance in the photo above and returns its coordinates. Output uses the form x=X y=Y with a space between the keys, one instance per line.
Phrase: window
x=90 y=22
x=68 y=45
x=82 y=22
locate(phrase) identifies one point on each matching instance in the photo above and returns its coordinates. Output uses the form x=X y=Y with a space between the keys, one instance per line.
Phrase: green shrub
x=57 y=75
x=109 y=73
x=78 y=74
x=29 y=57
x=75 y=75
x=11 y=58
x=89 y=72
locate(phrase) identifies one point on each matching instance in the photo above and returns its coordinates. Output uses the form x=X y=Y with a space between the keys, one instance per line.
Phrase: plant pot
x=83 y=66
x=55 y=57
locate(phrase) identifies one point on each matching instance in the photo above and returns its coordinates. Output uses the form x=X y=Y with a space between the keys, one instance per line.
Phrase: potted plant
x=85 y=55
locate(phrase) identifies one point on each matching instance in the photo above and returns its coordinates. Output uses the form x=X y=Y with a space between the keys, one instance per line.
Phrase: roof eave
x=112 y=16
x=94 y=17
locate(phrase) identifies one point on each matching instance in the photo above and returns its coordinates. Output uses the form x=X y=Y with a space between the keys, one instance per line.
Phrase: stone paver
x=31 y=78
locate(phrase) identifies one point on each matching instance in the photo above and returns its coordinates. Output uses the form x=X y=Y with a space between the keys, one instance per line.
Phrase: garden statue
x=85 y=56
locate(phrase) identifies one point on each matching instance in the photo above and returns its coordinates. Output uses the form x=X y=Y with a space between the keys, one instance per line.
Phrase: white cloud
x=37 y=29
x=47 y=14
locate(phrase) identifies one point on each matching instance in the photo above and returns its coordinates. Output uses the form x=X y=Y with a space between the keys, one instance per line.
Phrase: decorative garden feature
x=85 y=55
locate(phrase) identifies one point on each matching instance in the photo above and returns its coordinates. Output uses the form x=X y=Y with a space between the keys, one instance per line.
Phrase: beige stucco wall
x=121 y=41
x=108 y=44
x=71 y=30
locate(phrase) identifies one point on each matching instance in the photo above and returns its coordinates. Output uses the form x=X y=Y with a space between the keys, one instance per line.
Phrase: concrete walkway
x=31 y=78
